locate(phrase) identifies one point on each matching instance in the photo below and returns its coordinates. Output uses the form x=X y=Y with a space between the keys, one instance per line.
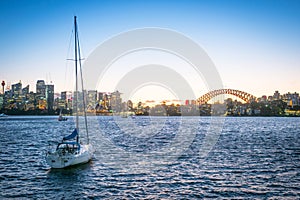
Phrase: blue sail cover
x=72 y=135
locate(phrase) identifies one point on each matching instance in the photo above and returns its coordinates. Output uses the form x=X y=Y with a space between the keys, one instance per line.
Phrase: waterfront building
x=263 y=98
x=69 y=104
x=187 y=102
x=61 y=101
x=193 y=102
x=130 y=105
x=42 y=104
x=270 y=98
x=30 y=103
x=292 y=99
x=59 y=104
x=104 y=100
x=31 y=98
x=65 y=100
x=276 y=95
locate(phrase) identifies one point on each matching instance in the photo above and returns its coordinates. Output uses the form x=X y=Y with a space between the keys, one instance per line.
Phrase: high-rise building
x=63 y=96
x=16 y=90
x=25 y=90
x=50 y=96
x=116 y=101
x=103 y=100
x=92 y=98
x=31 y=101
x=40 y=89
x=100 y=96
x=78 y=98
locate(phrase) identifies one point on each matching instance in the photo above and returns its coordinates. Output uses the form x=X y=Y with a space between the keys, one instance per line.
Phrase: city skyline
x=41 y=87
x=21 y=101
x=253 y=44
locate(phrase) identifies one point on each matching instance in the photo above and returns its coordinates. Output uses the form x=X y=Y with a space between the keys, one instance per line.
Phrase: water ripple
x=254 y=158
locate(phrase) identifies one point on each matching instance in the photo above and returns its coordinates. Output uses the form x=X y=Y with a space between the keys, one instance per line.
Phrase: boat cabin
x=68 y=147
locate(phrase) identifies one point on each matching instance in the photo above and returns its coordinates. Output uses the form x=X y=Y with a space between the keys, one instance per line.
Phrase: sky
x=254 y=44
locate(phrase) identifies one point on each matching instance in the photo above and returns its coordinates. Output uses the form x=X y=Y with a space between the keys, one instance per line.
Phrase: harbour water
x=154 y=158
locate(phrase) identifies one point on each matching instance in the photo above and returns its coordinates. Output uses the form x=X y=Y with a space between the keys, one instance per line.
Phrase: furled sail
x=72 y=135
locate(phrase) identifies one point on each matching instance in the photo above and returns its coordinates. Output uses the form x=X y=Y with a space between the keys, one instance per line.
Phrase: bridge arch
x=240 y=94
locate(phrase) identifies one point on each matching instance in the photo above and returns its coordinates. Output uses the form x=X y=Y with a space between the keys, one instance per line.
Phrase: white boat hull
x=59 y=160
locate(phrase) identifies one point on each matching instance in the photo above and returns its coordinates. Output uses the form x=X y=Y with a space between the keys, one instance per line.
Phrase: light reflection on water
x=253 y=158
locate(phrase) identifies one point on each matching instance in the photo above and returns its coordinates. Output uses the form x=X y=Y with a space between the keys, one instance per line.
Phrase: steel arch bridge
x=240 y=94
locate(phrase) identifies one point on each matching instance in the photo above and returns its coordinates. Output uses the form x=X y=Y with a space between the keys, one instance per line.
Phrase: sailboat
x=70 y=151
x=60 y=117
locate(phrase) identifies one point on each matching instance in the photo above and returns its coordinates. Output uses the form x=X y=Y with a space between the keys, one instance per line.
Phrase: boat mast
x=83 y=94
x=76 y=89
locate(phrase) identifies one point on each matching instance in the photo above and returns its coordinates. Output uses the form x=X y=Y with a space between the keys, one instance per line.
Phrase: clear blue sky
x=255 y=45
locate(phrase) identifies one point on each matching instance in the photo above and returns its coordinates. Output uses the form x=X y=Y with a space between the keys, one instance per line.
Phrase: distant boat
x=69 y=151
x=132 y=116
x=125 y=114
x=3 y=115
x=61 y=118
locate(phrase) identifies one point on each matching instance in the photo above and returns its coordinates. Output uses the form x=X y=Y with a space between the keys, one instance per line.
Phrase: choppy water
x=155 y=157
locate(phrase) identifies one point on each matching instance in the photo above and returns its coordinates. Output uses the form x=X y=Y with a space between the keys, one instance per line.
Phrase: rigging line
x=66 y=63
x=83 y=95
x=81 y=53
